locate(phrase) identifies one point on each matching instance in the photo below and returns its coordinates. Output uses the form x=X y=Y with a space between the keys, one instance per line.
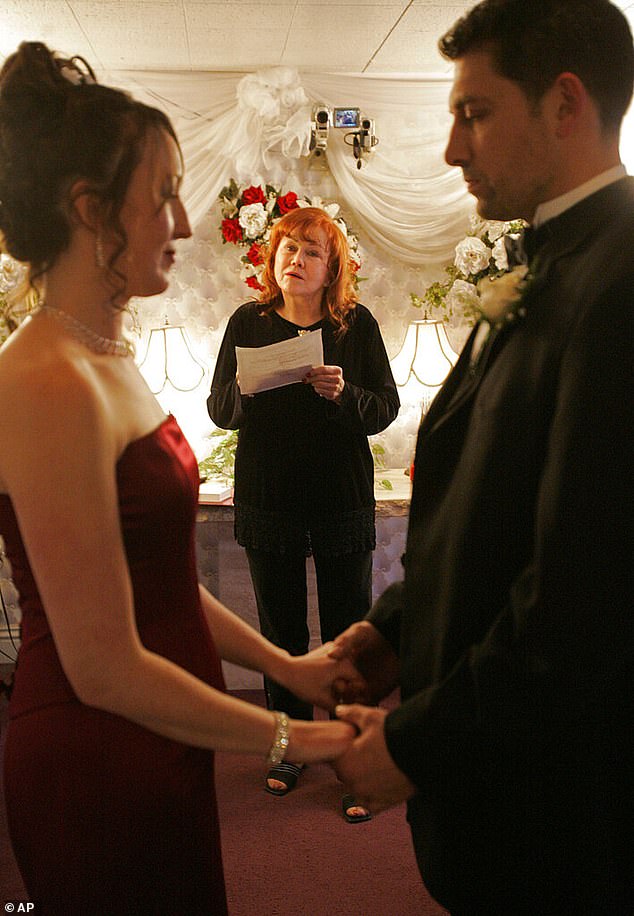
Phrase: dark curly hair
x=533 y=41
x=58 y=125
x=340 y=296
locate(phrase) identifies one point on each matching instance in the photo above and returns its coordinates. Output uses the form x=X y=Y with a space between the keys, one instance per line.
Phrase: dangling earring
x=99 y=255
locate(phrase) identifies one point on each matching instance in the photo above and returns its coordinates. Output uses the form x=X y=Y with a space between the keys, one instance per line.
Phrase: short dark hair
x=57 y=126
x=533 y=41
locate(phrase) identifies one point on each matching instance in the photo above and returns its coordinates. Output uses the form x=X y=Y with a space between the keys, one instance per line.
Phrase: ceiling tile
x=350 y=20
x=50 y=21
x=134 y=35
x=239 y=18
x=211 y=50
x=413 y=44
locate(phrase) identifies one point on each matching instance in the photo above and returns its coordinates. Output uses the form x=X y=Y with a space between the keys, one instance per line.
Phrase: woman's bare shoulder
x=39 y=370
x=49 y=403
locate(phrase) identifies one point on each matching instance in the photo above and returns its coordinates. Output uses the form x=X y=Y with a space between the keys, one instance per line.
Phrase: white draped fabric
x=256 y=127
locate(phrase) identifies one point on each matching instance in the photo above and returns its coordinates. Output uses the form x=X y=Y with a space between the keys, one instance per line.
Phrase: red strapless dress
x=106 y=817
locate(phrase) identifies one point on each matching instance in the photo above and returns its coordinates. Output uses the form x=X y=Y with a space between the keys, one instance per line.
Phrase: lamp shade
x=426 y=357
x=169 y=358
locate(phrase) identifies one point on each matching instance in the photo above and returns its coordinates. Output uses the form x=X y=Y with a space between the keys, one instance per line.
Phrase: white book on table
x=215 y=491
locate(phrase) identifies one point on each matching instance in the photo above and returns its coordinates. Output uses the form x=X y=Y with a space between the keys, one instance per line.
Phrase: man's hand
x=373 y=657
x=367 y=768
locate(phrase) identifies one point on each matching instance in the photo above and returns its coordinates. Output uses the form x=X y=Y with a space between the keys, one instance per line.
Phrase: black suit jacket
x=515 y=622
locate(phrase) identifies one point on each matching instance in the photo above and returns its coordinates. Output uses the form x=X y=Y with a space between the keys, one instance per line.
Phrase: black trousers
x=344 y=595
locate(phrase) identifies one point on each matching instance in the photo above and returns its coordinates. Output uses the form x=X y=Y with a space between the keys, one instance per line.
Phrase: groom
x=512 y=634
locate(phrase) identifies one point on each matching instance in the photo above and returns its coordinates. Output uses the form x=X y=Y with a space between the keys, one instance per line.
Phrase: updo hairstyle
x=302 y=223
x=58 y=125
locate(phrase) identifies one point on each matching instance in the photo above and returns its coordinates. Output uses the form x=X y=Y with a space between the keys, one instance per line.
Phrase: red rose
x=354 y=265
x=254 y=283
x=231 y=230
x=287 y=202
x=253 y=195
x=254 y=254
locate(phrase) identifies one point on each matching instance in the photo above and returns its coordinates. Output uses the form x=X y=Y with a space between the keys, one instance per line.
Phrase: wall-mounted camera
x=319 y=129
x=367 y=135
x=361 y=135
x=364 y=139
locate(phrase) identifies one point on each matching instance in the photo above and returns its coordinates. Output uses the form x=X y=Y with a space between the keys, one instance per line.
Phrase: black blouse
x=304 y=475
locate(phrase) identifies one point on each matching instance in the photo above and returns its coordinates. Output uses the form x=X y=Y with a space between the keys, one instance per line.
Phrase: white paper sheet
x=279 y=364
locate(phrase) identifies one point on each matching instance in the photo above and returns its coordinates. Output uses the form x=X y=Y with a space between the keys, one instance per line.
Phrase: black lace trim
x=280 y=533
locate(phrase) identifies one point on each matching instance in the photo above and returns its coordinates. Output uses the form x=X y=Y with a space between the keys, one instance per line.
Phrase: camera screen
x=346 y=117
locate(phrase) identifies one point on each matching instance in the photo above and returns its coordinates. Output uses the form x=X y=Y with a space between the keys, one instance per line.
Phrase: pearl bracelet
x=280 y=740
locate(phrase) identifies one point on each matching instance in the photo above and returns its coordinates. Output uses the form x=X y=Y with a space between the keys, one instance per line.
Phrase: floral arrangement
x=12 y=274
x=220 y=461
x=249 y=213
x=480 y=284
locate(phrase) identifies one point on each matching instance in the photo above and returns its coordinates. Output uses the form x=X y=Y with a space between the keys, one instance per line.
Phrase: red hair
x=340 y=294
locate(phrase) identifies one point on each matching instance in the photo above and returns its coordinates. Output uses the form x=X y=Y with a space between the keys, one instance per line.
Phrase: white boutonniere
x=499 y=303
x=500 y=297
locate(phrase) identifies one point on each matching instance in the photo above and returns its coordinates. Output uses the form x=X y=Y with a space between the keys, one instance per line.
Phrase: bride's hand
x=313 y=676
x=313 y=742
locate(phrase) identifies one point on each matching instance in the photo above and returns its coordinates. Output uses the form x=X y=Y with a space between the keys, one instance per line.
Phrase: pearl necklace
x=95 y=342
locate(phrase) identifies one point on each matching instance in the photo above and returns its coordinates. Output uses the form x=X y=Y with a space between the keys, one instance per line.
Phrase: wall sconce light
x=169 y=358
x=426 y=356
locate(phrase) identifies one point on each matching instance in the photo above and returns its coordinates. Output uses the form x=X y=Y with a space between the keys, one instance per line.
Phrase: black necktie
x=522 y=250
x=531 y=243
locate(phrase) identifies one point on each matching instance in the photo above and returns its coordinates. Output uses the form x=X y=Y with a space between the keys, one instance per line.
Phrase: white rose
x=495 y=230
x=11 y=273
x=472 y=255
x=498 y=294
x=253 y=218
x=462 y=295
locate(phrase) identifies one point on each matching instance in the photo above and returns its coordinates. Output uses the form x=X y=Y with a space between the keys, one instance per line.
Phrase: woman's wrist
x=310 y=742
x=279 y=666
x=281 y=737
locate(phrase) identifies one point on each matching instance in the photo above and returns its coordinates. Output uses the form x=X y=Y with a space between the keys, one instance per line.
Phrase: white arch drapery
x=255 y=127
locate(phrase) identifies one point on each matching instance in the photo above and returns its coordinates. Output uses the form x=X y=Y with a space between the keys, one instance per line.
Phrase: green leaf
x=220 y=462
x=378 y=453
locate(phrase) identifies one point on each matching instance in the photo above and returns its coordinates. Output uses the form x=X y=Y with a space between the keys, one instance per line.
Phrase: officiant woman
x=303 y=470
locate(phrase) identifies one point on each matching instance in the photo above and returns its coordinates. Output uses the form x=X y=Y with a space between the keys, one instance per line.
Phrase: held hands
x=327 y=381
x=313 y=676
x=313 y=742
x=376 y=663
x=367 y=767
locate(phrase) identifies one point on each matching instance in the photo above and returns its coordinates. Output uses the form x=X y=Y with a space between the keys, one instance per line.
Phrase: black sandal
x=288 y=773
x=349 y=801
